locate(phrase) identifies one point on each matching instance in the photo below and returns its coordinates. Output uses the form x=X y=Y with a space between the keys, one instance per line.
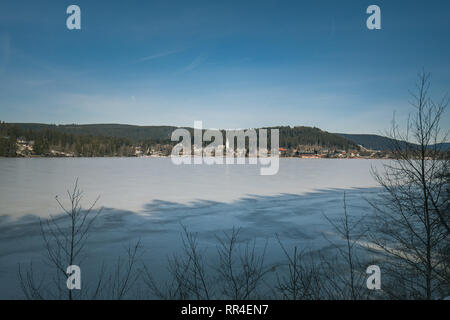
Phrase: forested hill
x=290 y=137
x=134 y=133
x=369 y=141
x=376 y=142
x=126 y=140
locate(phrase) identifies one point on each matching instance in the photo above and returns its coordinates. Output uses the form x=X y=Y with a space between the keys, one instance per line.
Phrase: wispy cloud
x=158 y=55
x=195 y=63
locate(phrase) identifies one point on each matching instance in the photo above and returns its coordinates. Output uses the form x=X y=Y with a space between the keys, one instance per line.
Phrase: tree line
x=121 y=140
x=48 y=139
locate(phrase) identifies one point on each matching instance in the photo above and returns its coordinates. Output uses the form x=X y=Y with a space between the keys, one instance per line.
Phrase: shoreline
x=164 y=157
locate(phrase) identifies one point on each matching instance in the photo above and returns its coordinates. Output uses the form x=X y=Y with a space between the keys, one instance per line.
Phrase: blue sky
x=231 y=64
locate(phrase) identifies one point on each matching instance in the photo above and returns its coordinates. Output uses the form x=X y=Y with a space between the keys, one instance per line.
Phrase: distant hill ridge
x=377 y=142
x=132 y=132
x=290 y=137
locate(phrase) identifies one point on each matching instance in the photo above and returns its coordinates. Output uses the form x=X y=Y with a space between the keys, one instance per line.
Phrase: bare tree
x=412 y=216
x=238 y=274
x=299 y=277
x=344 y=274
x=241 y=269
x=31 y=288
x=188 y=275
x=65 y=237
x=122 y=279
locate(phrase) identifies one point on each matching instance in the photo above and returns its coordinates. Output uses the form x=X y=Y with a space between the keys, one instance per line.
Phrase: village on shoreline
x=25 y=149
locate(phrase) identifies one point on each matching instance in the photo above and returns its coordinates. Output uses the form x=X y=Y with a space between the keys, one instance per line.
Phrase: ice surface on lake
x=28 y=186
x=149 y=199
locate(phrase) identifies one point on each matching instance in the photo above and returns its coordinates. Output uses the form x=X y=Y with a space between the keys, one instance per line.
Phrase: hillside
x=290 y=137
x=369 y=141
x=135 y=133
x=376 y=142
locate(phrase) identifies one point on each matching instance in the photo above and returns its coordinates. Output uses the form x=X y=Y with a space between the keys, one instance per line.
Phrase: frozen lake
x=151 y=198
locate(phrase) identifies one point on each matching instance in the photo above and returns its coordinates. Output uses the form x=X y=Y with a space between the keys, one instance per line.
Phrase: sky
x=230 y=64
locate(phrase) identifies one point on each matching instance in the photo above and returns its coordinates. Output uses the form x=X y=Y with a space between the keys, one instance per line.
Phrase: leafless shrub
x=122 y=279
x=238 y=274
x=241 y=269
x=30 y=287
x=65 y=238
x=412 y=220
x=301 y=280
x=189 y=278
x=344 y=273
